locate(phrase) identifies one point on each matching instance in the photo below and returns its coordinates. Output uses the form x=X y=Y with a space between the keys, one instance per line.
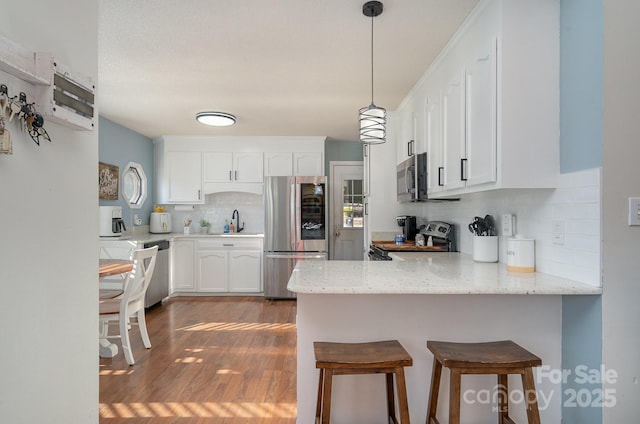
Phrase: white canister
x=485 y=248
x=521 y=254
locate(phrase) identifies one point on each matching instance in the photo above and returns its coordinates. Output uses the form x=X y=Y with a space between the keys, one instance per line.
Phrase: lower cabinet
x=182 y=265
x=229 y=265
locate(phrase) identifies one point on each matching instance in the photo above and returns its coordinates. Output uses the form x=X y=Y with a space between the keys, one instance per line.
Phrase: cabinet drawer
x=230 y=243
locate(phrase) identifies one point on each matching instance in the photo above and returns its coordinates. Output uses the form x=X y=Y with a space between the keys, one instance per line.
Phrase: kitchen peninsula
x=427 y=296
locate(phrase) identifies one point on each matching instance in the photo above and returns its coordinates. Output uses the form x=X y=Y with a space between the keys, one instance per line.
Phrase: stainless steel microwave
x=411 y=179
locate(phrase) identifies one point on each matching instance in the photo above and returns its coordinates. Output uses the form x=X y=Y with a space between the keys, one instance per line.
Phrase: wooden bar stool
x=385 y=357
x=501 y=358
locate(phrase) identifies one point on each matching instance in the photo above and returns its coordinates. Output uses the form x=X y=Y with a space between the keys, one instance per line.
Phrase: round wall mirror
x=134 y=185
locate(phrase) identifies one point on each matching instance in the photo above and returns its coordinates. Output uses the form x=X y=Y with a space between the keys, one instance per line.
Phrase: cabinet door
x=217 y=167
x=212 y=271
x=247 y=167
x=308 y=164
x=433 y=132
x=278 y=164
x=481 y=120
x=184 y=174
x=245 y=268
x=453 y=132
x=182 y=266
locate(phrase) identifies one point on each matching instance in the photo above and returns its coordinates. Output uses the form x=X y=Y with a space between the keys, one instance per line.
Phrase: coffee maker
x=111 y=223
x=408 y=224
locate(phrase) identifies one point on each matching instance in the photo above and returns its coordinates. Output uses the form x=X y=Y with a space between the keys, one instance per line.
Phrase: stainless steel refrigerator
x=295 y=228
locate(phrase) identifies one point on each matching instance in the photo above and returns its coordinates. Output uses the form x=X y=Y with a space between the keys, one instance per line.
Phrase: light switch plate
x=558 y=232
x=507 y=225
x=634 y=210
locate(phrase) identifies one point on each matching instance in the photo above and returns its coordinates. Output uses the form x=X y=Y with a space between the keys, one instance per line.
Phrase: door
x=347 y=211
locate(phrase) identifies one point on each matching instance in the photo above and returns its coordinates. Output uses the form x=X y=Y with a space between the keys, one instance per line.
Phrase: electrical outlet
x=507 y=225
x=634 y=210
x=558 y=232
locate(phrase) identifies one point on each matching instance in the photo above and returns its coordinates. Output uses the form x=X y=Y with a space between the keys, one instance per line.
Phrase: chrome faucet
x=236 y=215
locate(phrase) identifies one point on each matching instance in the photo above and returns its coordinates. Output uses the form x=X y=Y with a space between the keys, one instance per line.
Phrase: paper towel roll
x=521 y=254
x=184 y=208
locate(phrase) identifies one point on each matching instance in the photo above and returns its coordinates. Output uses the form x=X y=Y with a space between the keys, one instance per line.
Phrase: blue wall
x=581 y=91
x=341 y=151
x=581 y=68
x=119 y=146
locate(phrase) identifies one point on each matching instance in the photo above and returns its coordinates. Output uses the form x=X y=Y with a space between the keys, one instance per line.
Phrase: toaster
x=160 y=222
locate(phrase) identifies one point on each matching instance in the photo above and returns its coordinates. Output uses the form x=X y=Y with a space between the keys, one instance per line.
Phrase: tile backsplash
x=575 y=204
x=219 y=207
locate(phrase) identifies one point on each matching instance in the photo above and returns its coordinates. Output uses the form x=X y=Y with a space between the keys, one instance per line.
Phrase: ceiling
x=283 y=67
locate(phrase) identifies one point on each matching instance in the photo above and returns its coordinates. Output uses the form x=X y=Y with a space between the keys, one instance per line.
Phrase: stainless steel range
x=440 y=237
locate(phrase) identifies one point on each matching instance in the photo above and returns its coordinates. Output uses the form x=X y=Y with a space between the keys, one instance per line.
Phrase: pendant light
x=373 y=119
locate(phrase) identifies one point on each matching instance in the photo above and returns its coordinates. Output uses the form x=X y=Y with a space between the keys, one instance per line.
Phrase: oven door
x=406 y=180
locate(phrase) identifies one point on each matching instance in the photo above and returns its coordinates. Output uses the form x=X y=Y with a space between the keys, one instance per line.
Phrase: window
x=134 y=185
x=352 y=208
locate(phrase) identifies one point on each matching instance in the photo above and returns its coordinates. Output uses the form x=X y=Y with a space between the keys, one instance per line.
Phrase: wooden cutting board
x=409 y=246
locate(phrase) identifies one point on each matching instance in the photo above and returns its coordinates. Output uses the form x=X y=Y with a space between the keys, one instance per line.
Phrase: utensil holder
x=485 y=248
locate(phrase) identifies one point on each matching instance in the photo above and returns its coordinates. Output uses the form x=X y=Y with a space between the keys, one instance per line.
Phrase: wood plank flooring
x=227 y=360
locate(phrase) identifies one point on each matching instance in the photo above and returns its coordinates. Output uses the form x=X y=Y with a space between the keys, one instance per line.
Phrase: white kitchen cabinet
x=229 y=265
x=278 y=164
x=293 y=163
x=212 y=271
x=453 y=132
x=181 y=180
x=226 y=167
x=182 y=265
x=245 y=271
x=435 y=153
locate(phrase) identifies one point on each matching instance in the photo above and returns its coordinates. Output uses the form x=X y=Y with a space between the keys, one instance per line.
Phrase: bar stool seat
x=383 y=357
x=501 y=358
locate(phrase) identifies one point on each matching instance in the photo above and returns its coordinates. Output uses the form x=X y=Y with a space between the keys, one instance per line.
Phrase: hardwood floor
x=228 y=360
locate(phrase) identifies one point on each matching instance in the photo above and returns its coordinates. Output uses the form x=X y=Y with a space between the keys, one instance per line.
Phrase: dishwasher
x=159 y=286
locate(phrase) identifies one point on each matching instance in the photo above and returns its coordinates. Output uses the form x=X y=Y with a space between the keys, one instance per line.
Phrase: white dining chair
x=130 y=306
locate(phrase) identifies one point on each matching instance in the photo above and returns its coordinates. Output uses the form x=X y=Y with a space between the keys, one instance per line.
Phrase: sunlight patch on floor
x=197 y=410
x=235 y=326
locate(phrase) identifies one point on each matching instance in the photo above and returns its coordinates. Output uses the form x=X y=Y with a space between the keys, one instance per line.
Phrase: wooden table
x=109 y=267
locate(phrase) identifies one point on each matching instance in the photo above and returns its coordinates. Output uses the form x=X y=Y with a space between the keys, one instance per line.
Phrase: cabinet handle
x=410 y=148
x=235 y=175
x=228 y=244
x=230 y=176
x=198 y=194
x=366 y=208
x=463 y=169
x=440 y=171
x=365 y=150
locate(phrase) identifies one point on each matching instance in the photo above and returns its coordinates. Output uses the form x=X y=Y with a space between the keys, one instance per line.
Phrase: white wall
x=620 y=180
x=49 y=237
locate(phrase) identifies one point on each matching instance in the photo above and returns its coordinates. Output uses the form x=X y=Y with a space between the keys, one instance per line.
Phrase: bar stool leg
x=454 y=397
x=529 y=387
x=319 y=402
x=433 y=394
x=391 y=403
x=326 y=396
x=402 y=396
x=503 y=397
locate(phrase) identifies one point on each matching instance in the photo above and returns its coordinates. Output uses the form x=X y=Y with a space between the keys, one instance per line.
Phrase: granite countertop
x=149 y=237
x=427 y=273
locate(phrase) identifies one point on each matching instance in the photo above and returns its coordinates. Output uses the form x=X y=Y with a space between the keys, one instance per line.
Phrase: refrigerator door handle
x=294 y=214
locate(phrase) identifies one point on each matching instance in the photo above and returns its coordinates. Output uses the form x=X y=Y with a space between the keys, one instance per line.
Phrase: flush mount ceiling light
x=373 y=119
x=216 y=119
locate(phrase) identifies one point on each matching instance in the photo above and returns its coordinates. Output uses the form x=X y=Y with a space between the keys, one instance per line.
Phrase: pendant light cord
x=372 y=59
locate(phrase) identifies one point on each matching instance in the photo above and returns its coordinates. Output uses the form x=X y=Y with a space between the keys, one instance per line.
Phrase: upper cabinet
x=188 y=168
x=179 y=177
x=487 y=110
x=293 y=164
x=227 y=167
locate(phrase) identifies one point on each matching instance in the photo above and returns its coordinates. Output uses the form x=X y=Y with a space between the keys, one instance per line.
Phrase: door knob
x=337 y=233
